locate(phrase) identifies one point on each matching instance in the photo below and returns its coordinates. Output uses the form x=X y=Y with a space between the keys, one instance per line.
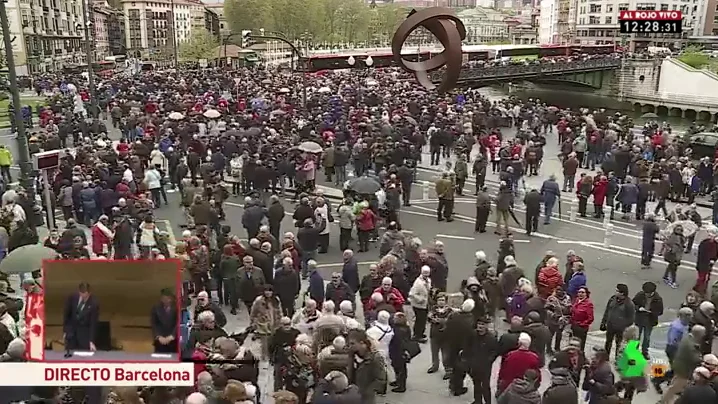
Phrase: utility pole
x=26 y=170
x=89 y=51
x=174 y=33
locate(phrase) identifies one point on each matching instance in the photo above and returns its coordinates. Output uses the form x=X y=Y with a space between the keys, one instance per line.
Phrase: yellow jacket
x=5 y=157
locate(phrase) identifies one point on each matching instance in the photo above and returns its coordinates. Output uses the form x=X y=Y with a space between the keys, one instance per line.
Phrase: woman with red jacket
x=600 y=189
x=581 y=315
x=549 y=278
x=102 y=237
x=366 y=222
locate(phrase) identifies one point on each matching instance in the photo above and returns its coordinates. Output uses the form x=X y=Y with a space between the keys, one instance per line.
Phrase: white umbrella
x=688 y=226
x=176 y=116
x=285 y=90
x=212 y=114
x=310 y=147
x=325 y=90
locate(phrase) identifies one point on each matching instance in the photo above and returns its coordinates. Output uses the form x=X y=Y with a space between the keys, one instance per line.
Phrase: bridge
x=588 y=73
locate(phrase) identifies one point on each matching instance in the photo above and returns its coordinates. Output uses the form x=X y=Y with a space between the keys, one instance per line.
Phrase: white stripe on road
x=594 y=245
x=454 y=237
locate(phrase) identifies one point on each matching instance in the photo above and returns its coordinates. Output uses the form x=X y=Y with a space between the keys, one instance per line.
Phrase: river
x=581 y=99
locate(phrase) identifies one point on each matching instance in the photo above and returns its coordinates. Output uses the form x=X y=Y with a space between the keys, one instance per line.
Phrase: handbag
x=413 y=349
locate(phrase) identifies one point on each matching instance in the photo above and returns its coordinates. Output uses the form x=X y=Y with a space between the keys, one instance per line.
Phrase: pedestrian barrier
x=425 y=195
x=574 y=210
x=607 y=216
x=607 y=235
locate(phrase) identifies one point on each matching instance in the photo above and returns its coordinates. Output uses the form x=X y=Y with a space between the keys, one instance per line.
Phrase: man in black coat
x=477 y=357
x=80 y=318
x=649 y=307
x=350 y=271
x=164 y=320
x=532 y=200
x=275 y=215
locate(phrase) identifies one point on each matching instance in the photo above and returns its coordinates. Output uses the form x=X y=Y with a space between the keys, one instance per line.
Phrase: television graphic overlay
x=106 y=311
x=650 y=22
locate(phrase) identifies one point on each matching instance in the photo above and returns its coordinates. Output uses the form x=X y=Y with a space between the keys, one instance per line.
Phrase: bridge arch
x=637 y=106
x=705 y=116
x=690 y=114
x=648 y=108
x=675 y=112
x=662 y=110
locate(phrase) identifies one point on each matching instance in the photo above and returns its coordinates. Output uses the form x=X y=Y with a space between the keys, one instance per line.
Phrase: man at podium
x=80 y=319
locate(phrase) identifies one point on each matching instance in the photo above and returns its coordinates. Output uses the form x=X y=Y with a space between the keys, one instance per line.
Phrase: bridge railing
x=533 y=69
x=674 y=99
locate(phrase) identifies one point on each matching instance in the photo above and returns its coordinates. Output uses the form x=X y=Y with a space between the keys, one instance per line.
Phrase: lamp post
x=369 y=61
x=26 y=170
x=89 y=52
x=351 y=61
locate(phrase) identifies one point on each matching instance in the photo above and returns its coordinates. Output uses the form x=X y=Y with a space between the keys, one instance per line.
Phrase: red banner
x=35 y=326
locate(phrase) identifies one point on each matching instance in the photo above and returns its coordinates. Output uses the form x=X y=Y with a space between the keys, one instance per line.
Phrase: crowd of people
x=351 y=341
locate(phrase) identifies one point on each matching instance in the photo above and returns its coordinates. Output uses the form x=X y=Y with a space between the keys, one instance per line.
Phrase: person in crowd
x=649 y=307
x=676 y=331
x=265 y=315
x=599 y=380
x=618 y=315
x=368 y=370
x=419 y=298
x=524 y=389
x=688 y=357
x=517 y=362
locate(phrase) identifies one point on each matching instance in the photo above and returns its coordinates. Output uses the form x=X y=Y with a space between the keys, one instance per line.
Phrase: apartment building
x=706 y=21
x=218 y=9
x=557 y=22
x=204 y=19
x=597 y=23
x=48 y=34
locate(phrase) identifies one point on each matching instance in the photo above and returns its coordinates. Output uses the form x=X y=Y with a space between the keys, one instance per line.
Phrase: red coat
x=515 y=365
x=99 y=240
x=392 y=297
x=200 y=367
x=600 y=189
x=549 y=278
x=366 y=220
x=582 y=313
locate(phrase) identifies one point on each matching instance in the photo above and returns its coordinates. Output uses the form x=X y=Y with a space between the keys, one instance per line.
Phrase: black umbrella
x=364 y=185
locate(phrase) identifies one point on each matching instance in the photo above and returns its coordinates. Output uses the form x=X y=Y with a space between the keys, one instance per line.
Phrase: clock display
x=651 y=26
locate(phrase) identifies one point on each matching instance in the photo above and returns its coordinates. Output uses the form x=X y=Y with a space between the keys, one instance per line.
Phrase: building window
x=594 y=20
x=609 y=20
x=594 y=8
x=664 y=7
x=609 y=8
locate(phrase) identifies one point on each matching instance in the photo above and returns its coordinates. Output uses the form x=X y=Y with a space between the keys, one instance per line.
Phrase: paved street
x=607 y=263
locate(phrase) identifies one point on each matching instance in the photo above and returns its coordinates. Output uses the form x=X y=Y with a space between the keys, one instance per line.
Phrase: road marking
x=594 y=245
x=454 y=237
x=522 y=241
x=571 y=242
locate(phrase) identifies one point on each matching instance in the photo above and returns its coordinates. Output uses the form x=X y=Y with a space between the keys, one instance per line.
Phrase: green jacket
x=228 y=266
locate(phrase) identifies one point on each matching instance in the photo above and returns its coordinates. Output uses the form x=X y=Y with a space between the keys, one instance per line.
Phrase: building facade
x=218 y=9
x=597 y=23
x=484 y=25
x=101 y=30
x=557 y=22
x=48 y=34
x=706 y=20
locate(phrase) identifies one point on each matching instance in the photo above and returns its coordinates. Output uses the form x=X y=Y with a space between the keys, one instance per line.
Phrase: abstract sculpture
x=449 y=30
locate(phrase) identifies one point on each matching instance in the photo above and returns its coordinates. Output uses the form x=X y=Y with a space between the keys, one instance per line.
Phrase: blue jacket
x=316 y=288
x=676 y=332
x=577 y=281
x=550 y=192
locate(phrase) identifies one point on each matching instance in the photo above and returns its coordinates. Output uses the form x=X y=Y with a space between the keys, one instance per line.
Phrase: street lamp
x=89 y=38
x=351 y=61
x=369 y=61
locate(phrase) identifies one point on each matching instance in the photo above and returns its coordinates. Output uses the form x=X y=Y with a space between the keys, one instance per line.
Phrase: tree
x=331 y=21
x=201 y=45
x=693 y=57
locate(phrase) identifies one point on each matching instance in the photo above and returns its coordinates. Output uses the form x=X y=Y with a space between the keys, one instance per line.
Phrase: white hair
x=346 y=306
x=311 y=303
x=524 y=340
x=287 y=261
x=303 y=339
x=352 y=324
x=383 y=317
x=706 y=305
x=425 y=270
x=311 y=264
x=16 y=348
x=339 y=342
x=328 y=306
x=480 y=256
x=552 y=262
x=377 y=297
x=204 y=378
x=468 y=305
x=196 y=398
x=387 y=280
x=338 y=380
x=526 y=287
x=509 y=260
x=205 y=316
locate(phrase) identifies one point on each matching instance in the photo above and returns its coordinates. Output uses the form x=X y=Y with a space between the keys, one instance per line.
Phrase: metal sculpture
x=443 y=23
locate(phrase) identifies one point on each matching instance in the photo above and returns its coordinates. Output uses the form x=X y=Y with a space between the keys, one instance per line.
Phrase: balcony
x=58 y=51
